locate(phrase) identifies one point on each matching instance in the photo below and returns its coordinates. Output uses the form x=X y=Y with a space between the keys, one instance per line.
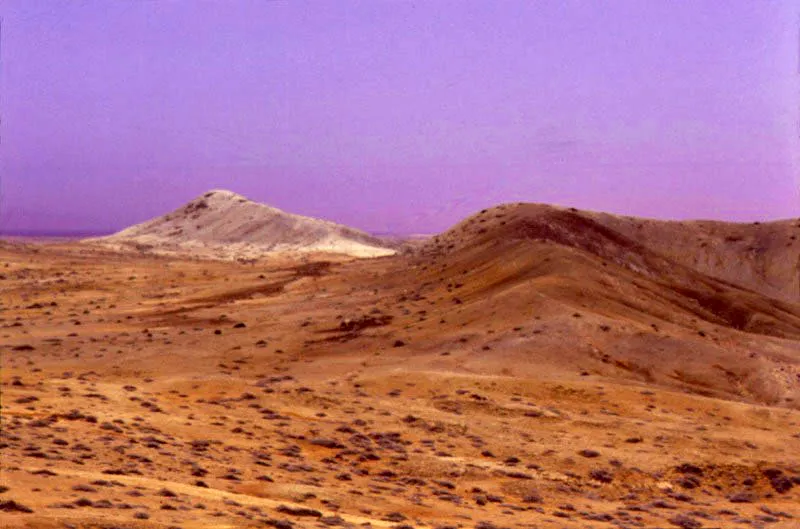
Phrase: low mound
x=224 y=224
x=510 y=245
x=622 y=298
x=764 y=257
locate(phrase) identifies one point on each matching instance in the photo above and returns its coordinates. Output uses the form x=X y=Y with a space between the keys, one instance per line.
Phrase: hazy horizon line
x=100 y=232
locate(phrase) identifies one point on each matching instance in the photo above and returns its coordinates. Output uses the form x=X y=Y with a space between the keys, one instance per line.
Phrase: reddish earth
x=533 y=367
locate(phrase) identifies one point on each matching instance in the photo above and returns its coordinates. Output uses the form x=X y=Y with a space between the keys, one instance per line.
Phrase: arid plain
x=532 y=367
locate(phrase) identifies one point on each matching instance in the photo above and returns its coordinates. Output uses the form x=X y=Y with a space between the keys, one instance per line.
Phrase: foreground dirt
x=397 y=392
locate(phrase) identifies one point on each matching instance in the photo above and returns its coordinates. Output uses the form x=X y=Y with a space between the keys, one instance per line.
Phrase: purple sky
x=398 y=116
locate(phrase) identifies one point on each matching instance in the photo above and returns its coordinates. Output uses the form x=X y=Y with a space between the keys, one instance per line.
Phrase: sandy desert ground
x=533 y=367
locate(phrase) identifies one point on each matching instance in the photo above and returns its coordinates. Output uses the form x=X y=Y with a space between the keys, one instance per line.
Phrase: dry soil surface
x=535 y=378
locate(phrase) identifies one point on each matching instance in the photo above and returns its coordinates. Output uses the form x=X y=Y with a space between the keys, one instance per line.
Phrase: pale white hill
x=226 y=225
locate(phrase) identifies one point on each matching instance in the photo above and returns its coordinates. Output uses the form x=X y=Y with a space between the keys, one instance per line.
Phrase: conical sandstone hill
x=224 y=224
